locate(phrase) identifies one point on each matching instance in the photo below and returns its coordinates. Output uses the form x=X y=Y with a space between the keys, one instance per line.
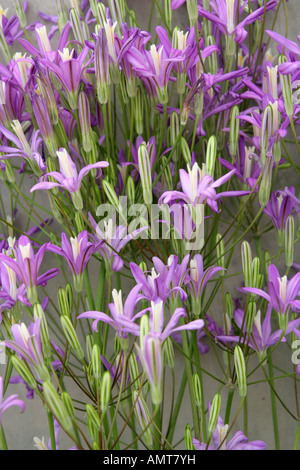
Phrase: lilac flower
x=157 y=321
x=224 y=17
x=154 y=67
x=30 y=152
x=123 y=317
x=114 y=239
x=281 y=205
x=12 y=400
x=281 y=294
x=163 y=280
x=198 y=187
x=10 y=292
x=219 y=440
x=261 y=337
x=27 y=344
x=290 y=66
x=26 y=265
x=68 y=178
x=151 y=357
x=77 y=252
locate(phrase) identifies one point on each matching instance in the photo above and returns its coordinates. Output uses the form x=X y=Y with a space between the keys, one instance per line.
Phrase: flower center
x=156 y=57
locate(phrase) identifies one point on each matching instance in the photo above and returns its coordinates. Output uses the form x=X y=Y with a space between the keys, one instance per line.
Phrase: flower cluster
x=149 y=160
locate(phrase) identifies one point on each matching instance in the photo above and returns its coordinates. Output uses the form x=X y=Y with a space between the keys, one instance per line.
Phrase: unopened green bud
x=173 y=132
x=62 y=14
x=197 y=390
x=144 y=329
x=68 y=404
x=89 y=343
x=214 y=413
x=289 y=241
x=240 y=368
x=94 y=423
x=57 y=406
x=266 y=182
x=39 y=313
x=105 y=391
x=10 y=172
x=145 y=173
x=96 y=363
x=134 y=371
x=247 y=263
x=234 y=134
x=266 y=132
x=267 y=263
x=167 y=173
x=229 y=305
x=186 y=152
x=71 y=336
x=21 y=13
x=250 y=315
x=188 y=439
x=211 y=154
x=63 y=303
x=111 y=195
x=139 y=111
x=192 y=9
x=130 y=186
x=24 y=372
x=287 y=91
x=255 y=271
x=168 y=353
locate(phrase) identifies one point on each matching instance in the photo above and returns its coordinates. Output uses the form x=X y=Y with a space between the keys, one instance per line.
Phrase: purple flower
x=163 y=280
x=68 y=178
x=261 y=337
x=150 y=354
x=113 y=238
x=123 y=317
x=224 y=17
x=219 y=440
x=198 y=187
x=77 y=252
x=281 y=294
x=157 y=321
x=30 y=152
x=281 y=205
x=26 y=265
x=12 y=400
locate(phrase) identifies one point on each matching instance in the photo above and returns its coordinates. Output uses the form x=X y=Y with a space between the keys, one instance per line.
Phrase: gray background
x=20 y=430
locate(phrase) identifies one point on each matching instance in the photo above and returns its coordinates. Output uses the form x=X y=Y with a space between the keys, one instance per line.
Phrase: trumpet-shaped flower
x=77 y=252
x=198 y=187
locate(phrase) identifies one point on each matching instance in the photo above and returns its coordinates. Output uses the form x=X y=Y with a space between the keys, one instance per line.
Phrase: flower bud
x=188 y=438
x=289 y=241
x=286 y=87
x=85 y=120
x=63 y=303
x=71 y=336
x=211 y=154
x=192 y=9
x=250 y=315
x=96 y=364
x=134 y=371
x=111 y=195
x=186 y=153
x=168 y=353
x=21 y=13
x=62 y=14
x=10 y=172
x=144 y=329
x=240 y=368
x=130 y=185
x=167 y=173
x=105 y=390
x=229 y=305
x=56 y=405
x=197 y=390
x=68 y=404
x=214 y=413
x=266 y=182
x=78 y=28
x=234 y=134
x=94 y=423
x=38 y=312
x=24 y=372
x=255 y=272
x=266 y=132
x=139 y=110
x=89 y=343
x=247 y=263
x=145 y=173
x=172 y=133
x=143 y=416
